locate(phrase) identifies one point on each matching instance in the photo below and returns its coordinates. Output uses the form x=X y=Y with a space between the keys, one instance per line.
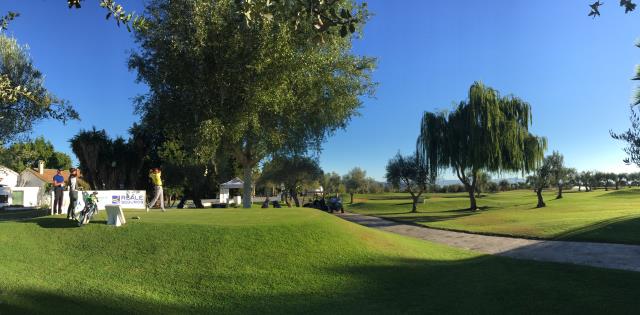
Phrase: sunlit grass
x=611 y=216
x=276 y=261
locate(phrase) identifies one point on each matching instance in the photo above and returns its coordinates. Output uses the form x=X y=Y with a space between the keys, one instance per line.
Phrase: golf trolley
x=90 y=207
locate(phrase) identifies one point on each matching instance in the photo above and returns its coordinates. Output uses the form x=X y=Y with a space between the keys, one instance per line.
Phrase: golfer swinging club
x=155 y=176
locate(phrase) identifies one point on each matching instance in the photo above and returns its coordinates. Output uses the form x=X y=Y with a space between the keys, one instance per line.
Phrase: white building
x=11 y=195
x=40 y=178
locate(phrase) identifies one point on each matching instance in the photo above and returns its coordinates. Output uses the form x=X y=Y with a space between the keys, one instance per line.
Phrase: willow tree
x=487 y=132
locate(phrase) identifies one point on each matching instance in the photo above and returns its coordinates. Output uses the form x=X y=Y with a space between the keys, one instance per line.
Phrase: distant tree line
x=26 y=154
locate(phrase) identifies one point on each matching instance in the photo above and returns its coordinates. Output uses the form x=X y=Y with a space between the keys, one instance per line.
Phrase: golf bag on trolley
x=90 y=207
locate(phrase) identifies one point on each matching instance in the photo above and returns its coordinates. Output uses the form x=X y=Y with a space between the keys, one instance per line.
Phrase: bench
x=115 y=216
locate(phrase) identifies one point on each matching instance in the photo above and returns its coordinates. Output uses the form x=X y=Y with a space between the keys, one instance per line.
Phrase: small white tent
x=235 y=183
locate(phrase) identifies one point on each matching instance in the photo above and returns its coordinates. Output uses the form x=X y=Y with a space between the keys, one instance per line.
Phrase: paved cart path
x=604 y=255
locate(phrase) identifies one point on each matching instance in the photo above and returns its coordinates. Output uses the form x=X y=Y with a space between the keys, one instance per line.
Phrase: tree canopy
x=487 y=132
x=332 y=183
x=541 y=179
x=24 y=100
x=355 y=181
x=411 y=173
x=108 y=163
x=294 y=172
x=256 y=89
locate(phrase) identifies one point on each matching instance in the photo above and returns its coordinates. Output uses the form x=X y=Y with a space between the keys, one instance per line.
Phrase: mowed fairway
x=277 y=261
x=606 y=216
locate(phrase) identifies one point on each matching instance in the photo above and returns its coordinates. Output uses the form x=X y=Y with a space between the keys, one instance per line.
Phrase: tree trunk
x=559 y=192
x=472 y=197
x=351 y=198
x=294 y=196
x=541 y=203
x=414 y=205
x=617 y=185
x=247 y=188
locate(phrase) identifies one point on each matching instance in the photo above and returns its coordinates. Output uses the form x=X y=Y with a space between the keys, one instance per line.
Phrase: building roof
x=6 y=169
x=47 y=177
x=234 y=183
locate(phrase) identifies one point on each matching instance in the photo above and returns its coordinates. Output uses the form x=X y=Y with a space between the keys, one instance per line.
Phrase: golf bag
x=90 y=208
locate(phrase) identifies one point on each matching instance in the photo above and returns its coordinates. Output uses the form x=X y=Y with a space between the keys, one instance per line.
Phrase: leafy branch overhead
x=4 y=21
x=325 y=16
x=116 y=11
x=628 y=5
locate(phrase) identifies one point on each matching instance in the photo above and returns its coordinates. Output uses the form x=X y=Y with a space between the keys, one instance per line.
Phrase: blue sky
x=575 y=71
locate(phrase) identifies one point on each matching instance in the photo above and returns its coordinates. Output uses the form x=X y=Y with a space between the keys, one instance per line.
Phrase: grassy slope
x=612 y=216
x=277 y=261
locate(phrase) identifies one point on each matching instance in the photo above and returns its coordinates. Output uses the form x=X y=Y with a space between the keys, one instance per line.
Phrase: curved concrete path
x=612 y=256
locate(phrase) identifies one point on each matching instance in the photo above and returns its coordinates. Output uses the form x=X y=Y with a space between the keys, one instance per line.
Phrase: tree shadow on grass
x=621 y=193
x=59 y=222
x=467 y=210
x=33 y=301
x=54 y=223
x=22 y=214
x=374 y=285
x=431 y=218
x=623 y=230
x=494 y=285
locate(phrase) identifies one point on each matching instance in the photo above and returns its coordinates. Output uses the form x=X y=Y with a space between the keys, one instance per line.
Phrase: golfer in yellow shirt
x=156 y=178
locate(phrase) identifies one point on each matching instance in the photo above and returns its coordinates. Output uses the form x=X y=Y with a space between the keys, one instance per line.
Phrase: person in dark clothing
x=73 y=193
x=58 y=192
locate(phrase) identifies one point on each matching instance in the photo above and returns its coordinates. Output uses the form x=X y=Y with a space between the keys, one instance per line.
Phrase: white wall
x=28 y=179
x=8 y=177
x=31 y=195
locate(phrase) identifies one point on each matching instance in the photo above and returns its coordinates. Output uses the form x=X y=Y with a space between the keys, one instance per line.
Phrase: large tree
x=411 y=173
x=256 y=88
x=487 y=132
x=24 y=100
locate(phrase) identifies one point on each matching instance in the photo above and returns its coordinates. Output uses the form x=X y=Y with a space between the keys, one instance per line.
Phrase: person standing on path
x=58 y=192
x=73 y=193
x=156 y=178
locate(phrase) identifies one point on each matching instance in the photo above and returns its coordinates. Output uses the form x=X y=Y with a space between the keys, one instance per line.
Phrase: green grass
x=606 y=216
x=277 y=261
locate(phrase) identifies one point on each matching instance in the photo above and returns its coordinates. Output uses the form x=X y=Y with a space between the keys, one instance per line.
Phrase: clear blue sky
x=575 y=71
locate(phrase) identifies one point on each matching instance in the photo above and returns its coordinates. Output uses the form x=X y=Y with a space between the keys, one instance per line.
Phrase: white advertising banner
x=127 y=199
